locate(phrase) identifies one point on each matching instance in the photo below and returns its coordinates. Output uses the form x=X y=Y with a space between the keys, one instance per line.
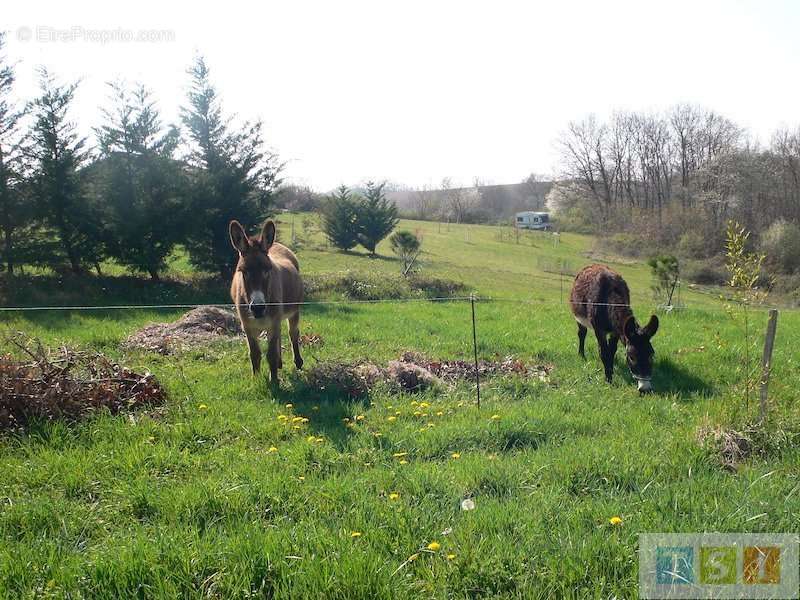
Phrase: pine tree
x=234 y=176
x=13 y=213
x=339 y=219
x=143 y=188
x=377 y=216
x=58 y=154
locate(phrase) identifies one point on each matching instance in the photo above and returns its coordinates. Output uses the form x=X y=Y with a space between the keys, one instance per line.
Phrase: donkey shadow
x=672 y=378
x=326 y=410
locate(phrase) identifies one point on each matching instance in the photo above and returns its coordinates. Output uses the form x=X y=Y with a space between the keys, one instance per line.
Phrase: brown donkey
x=601 y=301
x=266 y=289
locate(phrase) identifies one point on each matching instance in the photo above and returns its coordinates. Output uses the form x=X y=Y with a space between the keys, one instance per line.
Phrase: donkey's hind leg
x=274 y=351
x=294 y=334
x=581 y=339
x=605 y=355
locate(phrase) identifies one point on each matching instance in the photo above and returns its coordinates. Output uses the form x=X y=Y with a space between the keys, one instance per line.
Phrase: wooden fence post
x=475 y=350
x=766 y=361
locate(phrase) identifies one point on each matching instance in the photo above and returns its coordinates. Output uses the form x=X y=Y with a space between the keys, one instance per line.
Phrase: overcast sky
x=416 y=91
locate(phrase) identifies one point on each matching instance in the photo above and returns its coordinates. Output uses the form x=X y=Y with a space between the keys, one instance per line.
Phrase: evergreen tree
x=13 y=213
x=234 y=176
x=340 y=219
x=377 y=216
x=143 y=188
x=58 y=153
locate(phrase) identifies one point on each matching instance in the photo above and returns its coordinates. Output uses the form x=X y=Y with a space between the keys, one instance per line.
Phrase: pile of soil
x=66 y=384
x=411 y=373
x=197 y=327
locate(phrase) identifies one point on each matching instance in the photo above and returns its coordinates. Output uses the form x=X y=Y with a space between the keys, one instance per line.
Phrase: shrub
x=781 y=243
x=665 y=271
x=708 y=272
x=406 y=246
x=339 y=219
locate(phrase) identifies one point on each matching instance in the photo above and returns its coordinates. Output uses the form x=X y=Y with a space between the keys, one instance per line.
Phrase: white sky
x=416 y=91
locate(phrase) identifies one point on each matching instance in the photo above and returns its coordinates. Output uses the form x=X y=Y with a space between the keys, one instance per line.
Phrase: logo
x=718 y=565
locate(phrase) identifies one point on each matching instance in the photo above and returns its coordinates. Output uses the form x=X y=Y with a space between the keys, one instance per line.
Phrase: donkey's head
x=254 y=264
x=639 y=351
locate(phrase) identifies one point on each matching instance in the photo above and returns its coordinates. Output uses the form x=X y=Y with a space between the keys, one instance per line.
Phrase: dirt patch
x=730 y=446
x=66 y=384
x=197 y=327
x=413 y=372
x=462 y=369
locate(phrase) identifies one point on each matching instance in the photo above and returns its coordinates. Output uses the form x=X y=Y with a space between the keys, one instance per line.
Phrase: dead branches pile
x=67 y=384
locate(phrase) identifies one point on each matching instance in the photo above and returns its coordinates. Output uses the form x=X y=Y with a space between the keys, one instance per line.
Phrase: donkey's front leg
x=274 y=350
x=255 y=353
x=605 y=355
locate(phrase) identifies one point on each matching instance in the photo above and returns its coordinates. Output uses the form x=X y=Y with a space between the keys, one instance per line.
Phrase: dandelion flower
x=434 y=546
x=311 y=438
x=392 y=418
x=467 y=504
x=302 y=478
x=400 y=454
x=355 y=534
x=272 y=449
x=455 y=455
x=297 y=419
x=360 y=418
x=394 y=496
x=495 y=417
x=451 y=556
x=377 y=434
x=283 y=418
x=403 y=462
x=439 y=413
x=615 y=520
x=417 y=413
x=202 y=407
x=319 y=440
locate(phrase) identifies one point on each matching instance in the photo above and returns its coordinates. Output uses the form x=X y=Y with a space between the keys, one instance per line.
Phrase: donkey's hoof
x=298 y=363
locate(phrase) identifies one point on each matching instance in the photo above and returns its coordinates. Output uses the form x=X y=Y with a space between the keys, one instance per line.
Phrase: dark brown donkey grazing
x=266 y=289
x=601 y=301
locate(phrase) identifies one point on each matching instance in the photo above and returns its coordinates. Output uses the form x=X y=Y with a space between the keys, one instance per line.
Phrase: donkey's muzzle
x=258 y=310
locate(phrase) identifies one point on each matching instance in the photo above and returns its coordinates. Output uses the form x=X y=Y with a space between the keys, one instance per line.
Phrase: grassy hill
x=222 y=497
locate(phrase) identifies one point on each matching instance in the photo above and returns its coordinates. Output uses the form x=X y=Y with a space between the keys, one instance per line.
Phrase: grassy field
x=223 y=497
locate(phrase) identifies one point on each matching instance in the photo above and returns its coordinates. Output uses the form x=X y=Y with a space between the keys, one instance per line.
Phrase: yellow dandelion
x=151 y=439
x=377 y=434
x=495 y=417
x=392 y=418
x=417 y=413
x=439 y=413
x=360 y=418
x=283 y=418
x=394 y=496
x=424 y=405
x=355 y=534
x=398 y=413
x=451 y=556
x=455 y=455
x=296 y=427
x=400 y=454
x=302 y=478
x=202 y=407
x=297 y=419
x=430 y=425
x=304 y=420
x=319 y=440
x=311 y=438
x=615 y=520
x=434 y=546
x=272 y=449
x=403 y=462
x=414 y=403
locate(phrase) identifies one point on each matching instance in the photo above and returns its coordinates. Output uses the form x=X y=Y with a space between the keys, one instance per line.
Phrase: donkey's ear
x=629 y=328
x=268 y=234
x=238 y=236
x=651 y=328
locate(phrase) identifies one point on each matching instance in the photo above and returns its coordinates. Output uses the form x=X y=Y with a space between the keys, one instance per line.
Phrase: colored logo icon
x=674 y=565
x=718 y=565
x=762 y=565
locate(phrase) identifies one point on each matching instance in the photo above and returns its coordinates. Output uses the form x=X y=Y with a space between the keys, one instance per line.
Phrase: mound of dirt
x=197 y=327
x=462 y=369
x=731 y=447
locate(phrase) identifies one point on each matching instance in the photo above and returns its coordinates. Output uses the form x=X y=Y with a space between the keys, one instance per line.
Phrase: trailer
x=532 y=220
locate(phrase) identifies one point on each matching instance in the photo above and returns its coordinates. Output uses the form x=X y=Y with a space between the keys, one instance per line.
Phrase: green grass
x=194 y=504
